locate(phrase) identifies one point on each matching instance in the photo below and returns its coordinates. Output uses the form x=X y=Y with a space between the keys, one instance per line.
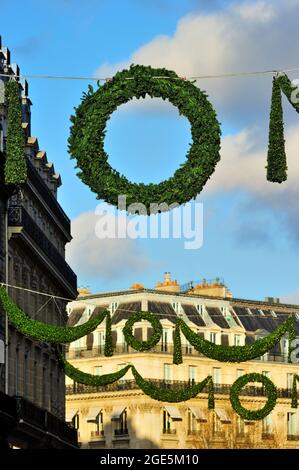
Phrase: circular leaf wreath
x=253 y=414
x=87 y=134
x=152 y=341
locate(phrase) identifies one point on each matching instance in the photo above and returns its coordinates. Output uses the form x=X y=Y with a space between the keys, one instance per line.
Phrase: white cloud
x=97 y=259
x=243 y=161
x=260 y=11
x=246 y=36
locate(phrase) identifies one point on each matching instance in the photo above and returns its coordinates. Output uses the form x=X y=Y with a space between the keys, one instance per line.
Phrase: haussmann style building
x=33 y=232
x=120 y=415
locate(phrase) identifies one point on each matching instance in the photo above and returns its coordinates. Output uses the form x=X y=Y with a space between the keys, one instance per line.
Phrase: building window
x=167 y=423
x=101 y=342
x=97 y=424
x=74 y=423
x=213 y=337
x=217 y=430
x=192 y=374
x=216 y=374
x=200 y=309
x=237 y=340
x=164 y=345
x=267 y=426
x=113 y=306
x=285 y=349
x=240 y=426
x=192 y=423
x=121 y=426
x=167 y=373
x=240 y=372
x=292 y=425
x=290 y=379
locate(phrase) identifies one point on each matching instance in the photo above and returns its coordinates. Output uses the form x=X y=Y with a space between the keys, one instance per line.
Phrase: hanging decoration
x=88 y=130
x=15 y=169
x=294 y=391
x=253 y=415
x=152 y=341
x=42 y=331
x=277 y=161
x=239 y=353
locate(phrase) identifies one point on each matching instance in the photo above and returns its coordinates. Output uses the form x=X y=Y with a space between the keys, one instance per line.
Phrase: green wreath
x=253 y=414
x=152 y=341
x=87 y=134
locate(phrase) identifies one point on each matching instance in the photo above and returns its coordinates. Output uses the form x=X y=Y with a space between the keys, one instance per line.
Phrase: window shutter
x=138 y=334
x=224 y=340
x=89 y=341
x=114 y=338
x=150 y=332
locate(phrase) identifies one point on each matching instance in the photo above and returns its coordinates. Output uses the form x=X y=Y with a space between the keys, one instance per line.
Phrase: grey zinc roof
x=193 y=315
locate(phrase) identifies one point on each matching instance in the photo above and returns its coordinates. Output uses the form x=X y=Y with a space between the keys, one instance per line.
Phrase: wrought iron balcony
x=28 y=412
x=121 y=432
x=19 y=217
x=221 y=389
x=158 y=349
x=169 y=431
x=95 y=434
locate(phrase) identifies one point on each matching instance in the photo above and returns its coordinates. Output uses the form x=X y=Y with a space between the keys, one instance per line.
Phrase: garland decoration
x=108 y=349
x=294 y=391
x=42 y=331
x=89 y=379
x=177 y=345
x=277 y=162
x=253 y=415
x=87 y=133
x=238 y=353
x=15 y=170
x=152 y=341
x=290 y=90
x=175 y=396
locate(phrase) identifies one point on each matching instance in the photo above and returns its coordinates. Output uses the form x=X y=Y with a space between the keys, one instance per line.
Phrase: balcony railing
x=267 y=435
x=121 y=432
x=158 y=349
x=221 y=389
x=292 y=437
x=42 y=419
x=19 y=217
x=169 y=431
x=95 y=434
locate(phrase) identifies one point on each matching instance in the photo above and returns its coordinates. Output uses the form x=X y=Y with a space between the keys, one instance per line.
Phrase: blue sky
x=251 y=232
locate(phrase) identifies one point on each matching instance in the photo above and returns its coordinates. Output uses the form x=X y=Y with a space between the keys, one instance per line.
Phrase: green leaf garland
x=87 y=134
x=237 y=353
x=277 y=162
x=42 y=331
x=89 y=379
x=290 y=91
x=15 y=170
x=177 y=345
x=152 y=341
x=108 y=349
x=294 y=391
x=253 y=414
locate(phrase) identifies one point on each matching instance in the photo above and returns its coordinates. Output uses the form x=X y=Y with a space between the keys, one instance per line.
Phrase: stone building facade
x=120 y=415
x=37 y=230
